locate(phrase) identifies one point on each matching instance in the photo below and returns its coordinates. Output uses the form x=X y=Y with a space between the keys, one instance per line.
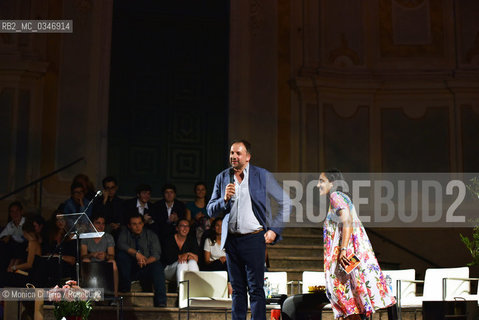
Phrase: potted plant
x=70 y=302
x=473 y=244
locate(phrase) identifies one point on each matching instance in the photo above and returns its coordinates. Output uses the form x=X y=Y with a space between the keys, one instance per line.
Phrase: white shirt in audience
x=215 y=250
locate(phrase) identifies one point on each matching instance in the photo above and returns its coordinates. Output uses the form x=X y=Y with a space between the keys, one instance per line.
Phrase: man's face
x=99 y=224
x=144 y=196
x=239 y=157
x=78 y=194
x=169 y=195
x=136 y=225
x=16 y=214
x=110 y=189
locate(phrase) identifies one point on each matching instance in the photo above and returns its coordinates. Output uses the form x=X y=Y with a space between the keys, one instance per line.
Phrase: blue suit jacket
x=262 y=186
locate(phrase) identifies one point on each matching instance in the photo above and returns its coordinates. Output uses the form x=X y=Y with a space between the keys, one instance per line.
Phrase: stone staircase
x=300 y=250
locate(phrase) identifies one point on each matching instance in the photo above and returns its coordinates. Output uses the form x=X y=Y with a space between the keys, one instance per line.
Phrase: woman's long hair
x=212 y=234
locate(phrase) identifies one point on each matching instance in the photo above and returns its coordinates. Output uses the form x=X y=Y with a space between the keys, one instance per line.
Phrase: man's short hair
x=15 y=204
x=246 y=144
x=109 y=179
x=97 y=216
x=143 y=187
x=168 y=186
x=135 y=215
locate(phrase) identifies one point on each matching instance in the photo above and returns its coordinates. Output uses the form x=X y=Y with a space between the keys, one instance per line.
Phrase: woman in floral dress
x=358 y=294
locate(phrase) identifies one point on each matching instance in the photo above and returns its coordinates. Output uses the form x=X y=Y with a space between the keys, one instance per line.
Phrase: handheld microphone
x=232 y=175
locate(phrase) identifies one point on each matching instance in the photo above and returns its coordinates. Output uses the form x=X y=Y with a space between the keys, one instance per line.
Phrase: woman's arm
x=207 y=257
x=346 y=233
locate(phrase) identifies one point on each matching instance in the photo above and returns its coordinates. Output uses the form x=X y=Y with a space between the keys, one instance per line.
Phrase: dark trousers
x=245 y=257
x=153 y=273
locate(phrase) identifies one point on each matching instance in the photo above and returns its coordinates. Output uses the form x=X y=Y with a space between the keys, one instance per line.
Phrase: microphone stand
x=77 y=234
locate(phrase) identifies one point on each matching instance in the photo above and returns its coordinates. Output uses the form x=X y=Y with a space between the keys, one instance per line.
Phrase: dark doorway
x=168 y=93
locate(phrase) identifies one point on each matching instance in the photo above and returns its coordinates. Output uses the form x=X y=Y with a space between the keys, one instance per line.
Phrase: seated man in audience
x=141 y=205
x=110 y=206
x=77 y=202
x=12 y=243
x=100 y=249
x=168 y=211
x=139 y=257
x=180 y=252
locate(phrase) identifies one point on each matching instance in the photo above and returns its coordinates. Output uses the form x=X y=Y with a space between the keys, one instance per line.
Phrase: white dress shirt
x=242 y=219
x=15 y=231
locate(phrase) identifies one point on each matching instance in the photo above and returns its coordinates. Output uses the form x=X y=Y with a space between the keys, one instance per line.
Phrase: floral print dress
x=364 y=290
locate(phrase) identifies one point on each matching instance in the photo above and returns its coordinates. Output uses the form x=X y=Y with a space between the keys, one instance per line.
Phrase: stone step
x=146 y=313
x=295 y=274
x=296 y=250
x=296 y=262
x=302 y=231
x=145 y=299
x=293 y=239
x=150 y=313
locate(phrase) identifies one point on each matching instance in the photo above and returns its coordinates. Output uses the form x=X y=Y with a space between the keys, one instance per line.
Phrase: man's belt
x=245 y=234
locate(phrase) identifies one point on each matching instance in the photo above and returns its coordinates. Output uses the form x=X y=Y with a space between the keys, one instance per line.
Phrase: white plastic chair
x=312 y=278
x=403 y=285
x=278 y=280
x=407 y=289
x=439 y=284
x=203 y=289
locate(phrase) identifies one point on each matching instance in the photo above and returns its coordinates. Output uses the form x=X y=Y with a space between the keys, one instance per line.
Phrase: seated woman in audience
x=39 y=225
x=100 y=249
x=51 y=245
x=193 y=208
x=180 y=252
x=88 y=187
x=18 y=272
x=196 y=212
x=78 y=202
x=215 y=257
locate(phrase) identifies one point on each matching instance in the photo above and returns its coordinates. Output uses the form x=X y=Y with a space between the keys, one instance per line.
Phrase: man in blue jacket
x=242 y=195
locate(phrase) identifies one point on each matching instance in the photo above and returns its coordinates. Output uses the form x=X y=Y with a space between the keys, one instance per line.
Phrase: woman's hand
x=343 y=259
x=192 y=256
x=183 y=257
